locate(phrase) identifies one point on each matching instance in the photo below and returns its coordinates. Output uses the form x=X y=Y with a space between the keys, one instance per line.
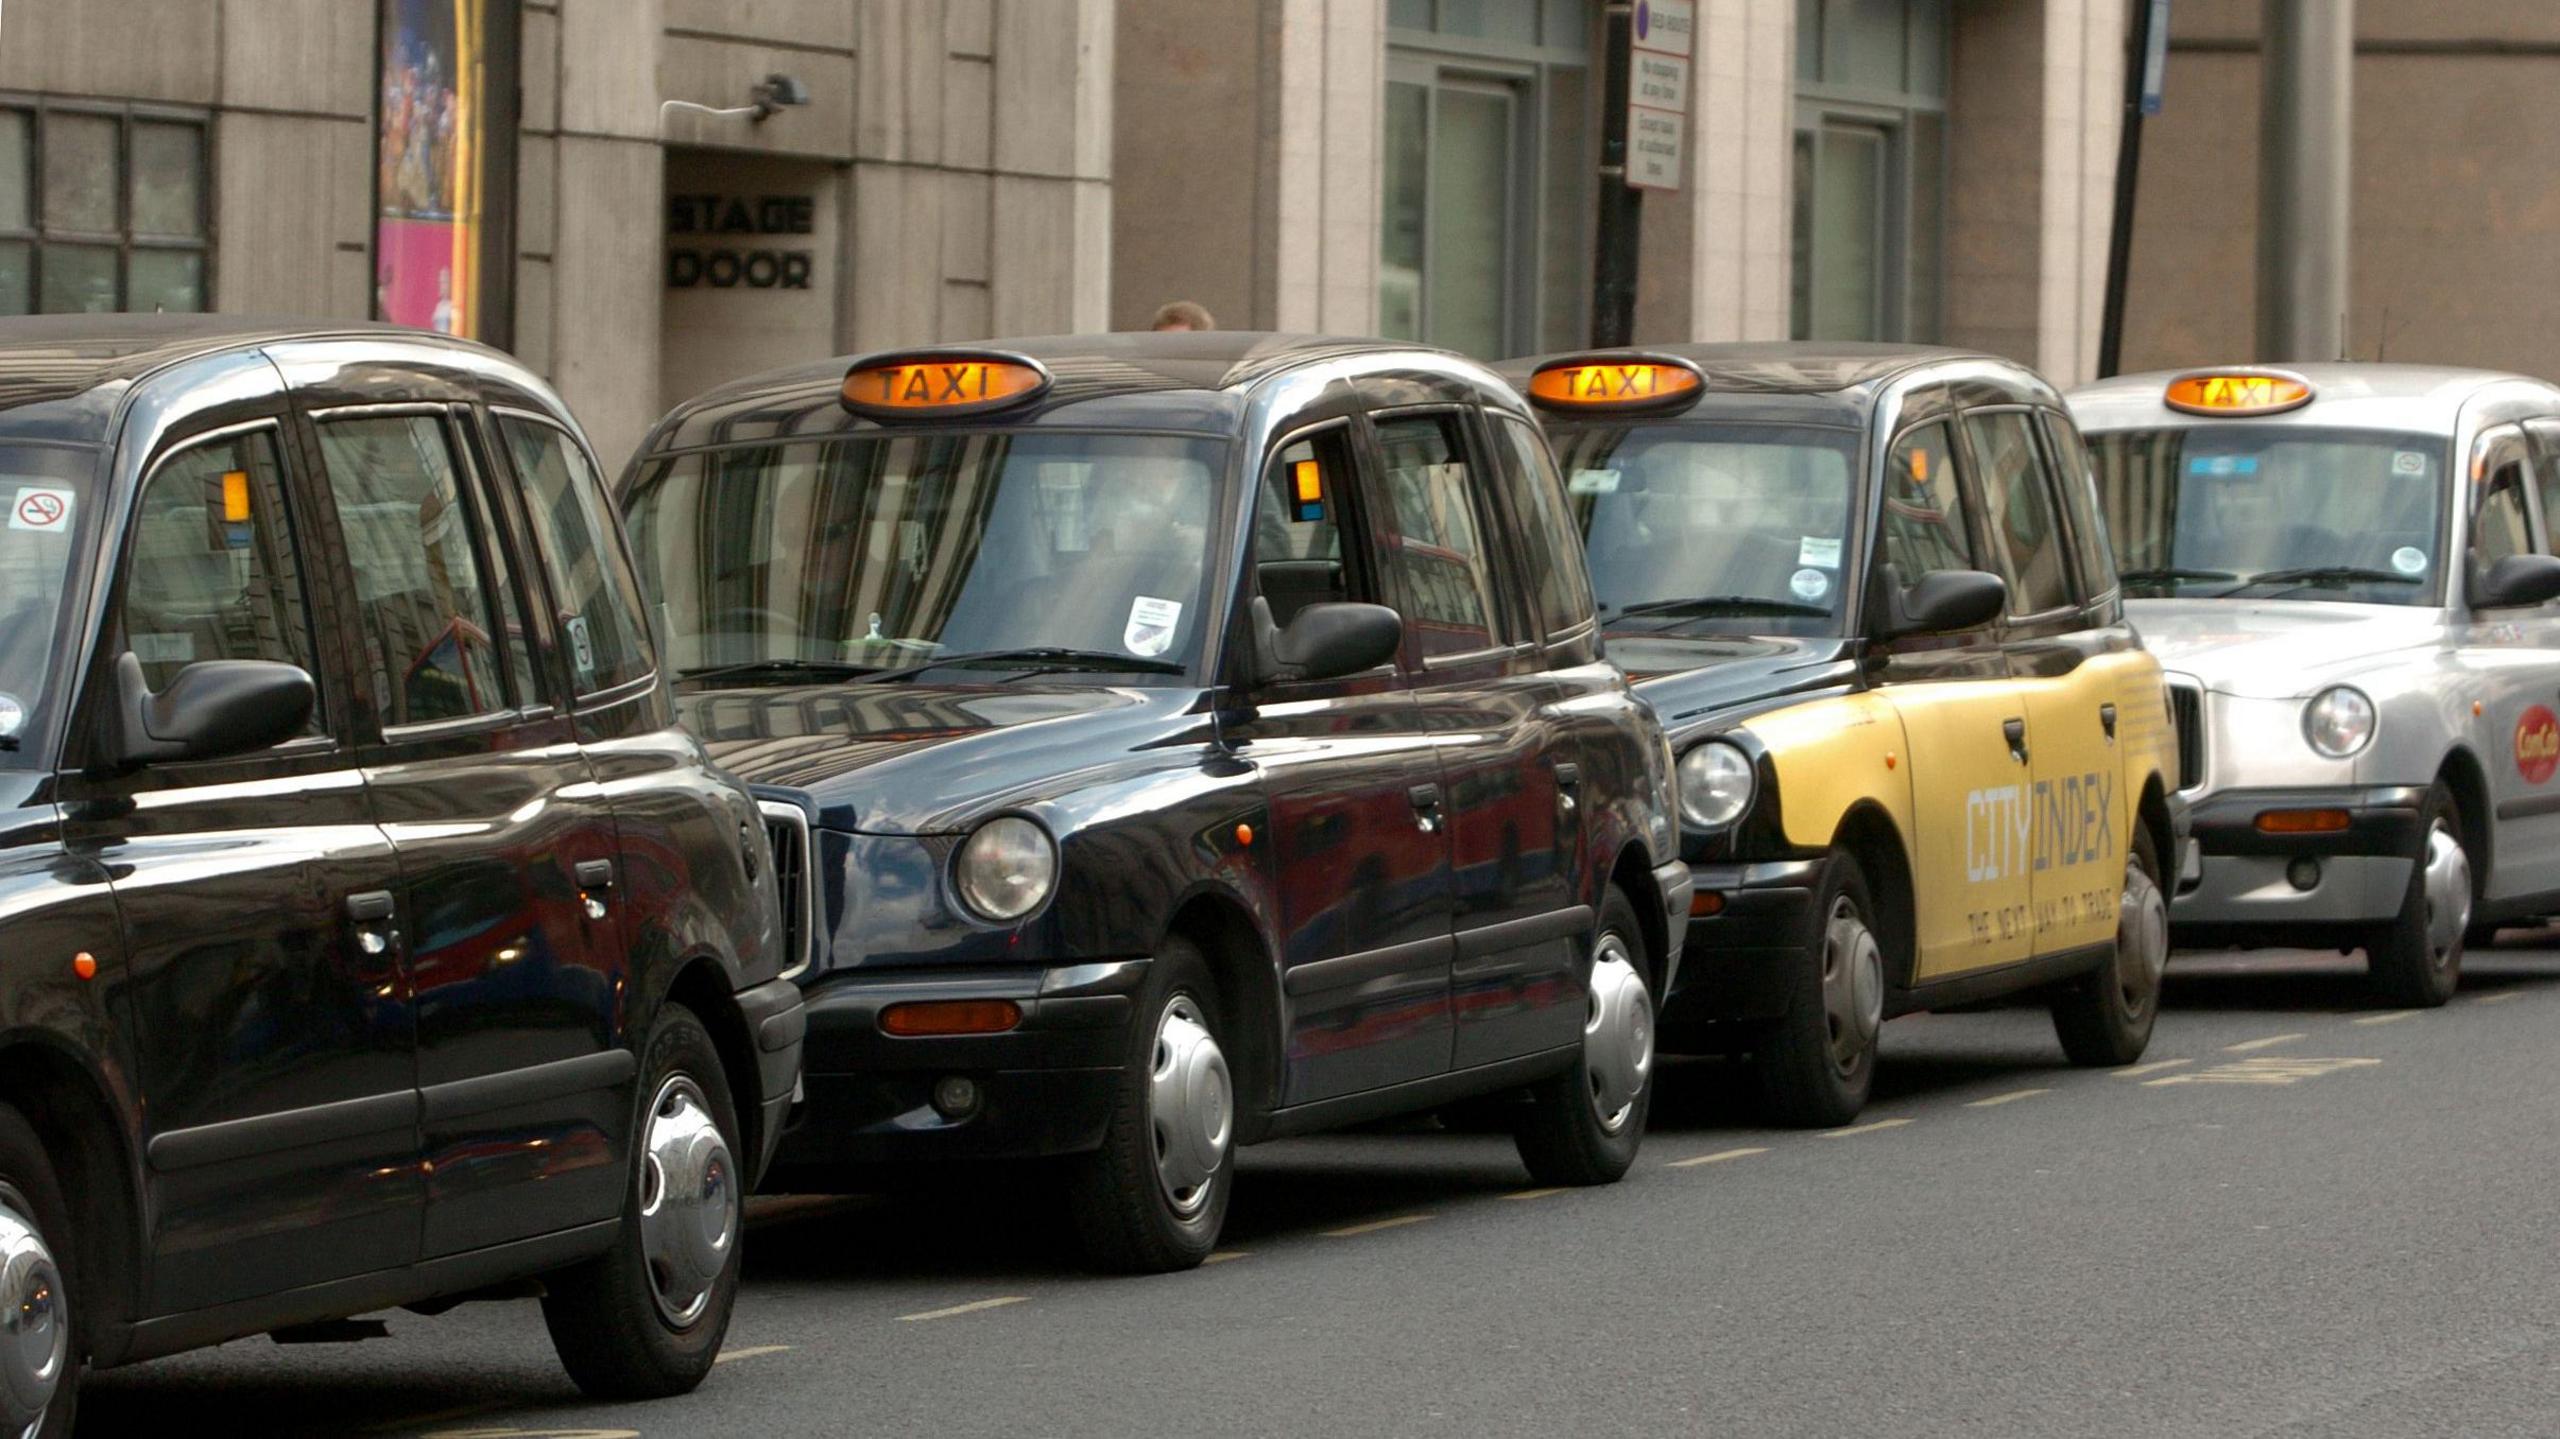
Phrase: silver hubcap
x=1190 y=1110
x=1617 y=1040
x=1852 y=985
x=688 y=1202
x=2448 y=887
x=2142 y=942
x=35 y=1334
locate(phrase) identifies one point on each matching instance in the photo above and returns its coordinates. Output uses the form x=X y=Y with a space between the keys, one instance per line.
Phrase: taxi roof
x=2345 y=394
x=1146 y=379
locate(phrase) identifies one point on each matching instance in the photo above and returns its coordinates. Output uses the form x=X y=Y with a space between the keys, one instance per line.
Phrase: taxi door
x=1966 y=727
x=2513 y=659
x=2057 y=663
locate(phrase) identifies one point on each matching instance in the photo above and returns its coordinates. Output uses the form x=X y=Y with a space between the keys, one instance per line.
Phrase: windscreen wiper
x=1727 y=604
x=1037 y=656
x=2324 y=575
x=2150 y=574
x=830 y=669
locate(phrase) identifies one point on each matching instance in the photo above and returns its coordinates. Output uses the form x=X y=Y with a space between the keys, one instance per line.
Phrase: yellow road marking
x=2154 y=1067
x=971 y=1307
x=2269 y=1042
x=1532 y=1193
x=2387 y=1018
x=2501 y=997
x=1996 y=1099
x=1869 y=1128
x=2270 y=1069
x=1223 y=1255
x=1373 y=1226
x=751 y=1352
x=1719 y=1157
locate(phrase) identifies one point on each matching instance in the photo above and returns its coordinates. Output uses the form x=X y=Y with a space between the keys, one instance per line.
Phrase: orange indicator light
x=1244 y=835
x=85 y=965
x=1706 y=902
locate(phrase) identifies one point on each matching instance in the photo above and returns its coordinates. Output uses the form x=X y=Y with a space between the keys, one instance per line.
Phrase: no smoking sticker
x=42 y=510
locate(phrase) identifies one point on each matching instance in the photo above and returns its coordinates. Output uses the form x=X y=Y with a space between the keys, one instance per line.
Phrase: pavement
x=2301 y=1215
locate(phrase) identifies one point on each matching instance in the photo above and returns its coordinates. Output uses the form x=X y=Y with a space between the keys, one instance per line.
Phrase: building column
x=606 y=217
x=1323 y=131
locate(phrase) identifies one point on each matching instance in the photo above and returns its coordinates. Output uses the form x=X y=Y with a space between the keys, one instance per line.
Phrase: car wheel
x=2105 y=1018
x=40 y=1356
x=645 y=1318
x=1154 y=1196
x=1584 y=1125
x=2415 y=960
x=1814 y=1065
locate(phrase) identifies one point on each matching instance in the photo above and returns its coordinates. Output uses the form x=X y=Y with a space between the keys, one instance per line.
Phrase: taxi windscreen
x=47 y=489
x=2267 y=511
x=1713 y=528
x=882 y=552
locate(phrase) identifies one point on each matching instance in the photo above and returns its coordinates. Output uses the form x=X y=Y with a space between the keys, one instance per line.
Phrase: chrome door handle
x=1426 y=807
x=371 y=912
x=595 y=874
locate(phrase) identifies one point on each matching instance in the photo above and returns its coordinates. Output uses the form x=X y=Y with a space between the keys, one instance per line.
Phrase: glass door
x=1453 y=200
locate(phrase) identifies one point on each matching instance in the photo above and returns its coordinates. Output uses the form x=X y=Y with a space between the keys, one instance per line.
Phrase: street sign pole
x=1644 y=146
x=2146 y=58
x=1613 y=261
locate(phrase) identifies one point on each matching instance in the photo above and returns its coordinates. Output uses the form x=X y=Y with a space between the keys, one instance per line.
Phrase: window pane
x=1924 y=524
x=1297 y=541
x=1865 y=45
x=598 y=602
x=1566 y=283
x=1409 y=14
x=1848 y=278
x=1401 y=213
x=1470 y=274
x=1929 y=47
x=15 y=165
x=211 y=573
x=171 y=280
x=2080 y=488
x=2546 y=468
x=79 y=279
x=80 y=173
x=2025 y=538
x=15 y=263
x=1547 y=535
x=1808 y=39
x=419 y=599
x=1438 y=573
x=1924 y=227
x=1800 y=260
x=2499 y=528
x=1568 y=25
x=168 y=180
x=1515 y=20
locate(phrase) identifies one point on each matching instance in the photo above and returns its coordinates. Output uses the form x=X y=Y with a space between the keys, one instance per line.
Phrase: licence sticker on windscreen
x=1810 y=585
x=2409 y=462
x=38 y=508
x=1819 y=550
x=1594 y=482
x=1151 y=625
x=13 y=715
x=2223 y=465
x=2409 y=560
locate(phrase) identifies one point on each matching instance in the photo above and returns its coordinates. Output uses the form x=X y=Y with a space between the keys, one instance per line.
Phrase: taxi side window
x=1297 y=534
x=2499 y=522
x=2079 y=483
x=1924 y=520
x=2026 y=540
x=1549 y=538
x=1439 y=565
x=431 y=644
x=592 y=586
x=2545 y=435
x=211 y=574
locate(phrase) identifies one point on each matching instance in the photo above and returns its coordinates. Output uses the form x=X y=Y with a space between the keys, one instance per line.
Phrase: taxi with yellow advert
x=2347 y=569
x=1922 y=759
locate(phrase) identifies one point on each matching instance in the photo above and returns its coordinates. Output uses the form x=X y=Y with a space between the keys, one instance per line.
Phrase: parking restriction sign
x=1660 y=40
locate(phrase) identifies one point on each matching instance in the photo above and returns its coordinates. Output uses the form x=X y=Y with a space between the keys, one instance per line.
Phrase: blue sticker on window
x=2223 y=465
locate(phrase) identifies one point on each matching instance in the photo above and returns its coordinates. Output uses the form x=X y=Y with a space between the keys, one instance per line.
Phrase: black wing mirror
x=211 y=708
x=1942 y=600
x=1325 y=641
x=2516 y=581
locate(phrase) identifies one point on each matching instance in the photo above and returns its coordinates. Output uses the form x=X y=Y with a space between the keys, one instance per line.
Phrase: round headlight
x=1715 y=784
x=2338 y=721
x=1007 y=868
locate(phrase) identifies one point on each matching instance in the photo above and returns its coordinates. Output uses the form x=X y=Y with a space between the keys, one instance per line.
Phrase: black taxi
x=375 y=935
x=1923 y=761
x=1205 y=739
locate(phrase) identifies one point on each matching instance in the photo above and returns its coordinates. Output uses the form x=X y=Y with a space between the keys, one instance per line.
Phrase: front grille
x=787 y=827
x=2186 y=711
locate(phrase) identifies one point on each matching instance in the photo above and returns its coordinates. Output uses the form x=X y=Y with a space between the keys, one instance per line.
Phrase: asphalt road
x=2302 y=1216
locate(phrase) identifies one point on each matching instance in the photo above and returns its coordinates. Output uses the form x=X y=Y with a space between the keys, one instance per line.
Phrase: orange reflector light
x=1614 y=385
x=2237 y=392
x=1706 y=902
x=85 y=965
x=235 y=495
x=1244 y=835
x=2302 y=821
x=950 y=1016
x=935 y=386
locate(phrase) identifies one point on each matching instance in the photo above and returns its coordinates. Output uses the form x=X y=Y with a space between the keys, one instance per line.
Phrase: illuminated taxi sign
x=1307 y=482
x=940 y=385
x=1615 y=384
x=2237 y=392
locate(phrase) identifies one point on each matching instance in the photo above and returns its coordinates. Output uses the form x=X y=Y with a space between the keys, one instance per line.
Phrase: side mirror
x=1942 y=600
x=2516 y=581
x=1326 y=641
x=211 y=708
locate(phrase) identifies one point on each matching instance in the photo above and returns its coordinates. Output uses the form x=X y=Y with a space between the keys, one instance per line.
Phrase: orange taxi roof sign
x=1631 y=382
x=941 y=384
x=2237 y=392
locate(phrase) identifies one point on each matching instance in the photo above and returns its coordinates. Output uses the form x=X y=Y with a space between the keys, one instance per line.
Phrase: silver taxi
x=2347 y=571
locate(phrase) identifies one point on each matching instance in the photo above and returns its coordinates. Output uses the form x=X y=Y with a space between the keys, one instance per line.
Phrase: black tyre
x=2105 y=1017
x=2415 y=960
x=40 y=1367
x=644 y=1319
x=1154 y=1196
x=1584 y=1125
x=1814 y=1065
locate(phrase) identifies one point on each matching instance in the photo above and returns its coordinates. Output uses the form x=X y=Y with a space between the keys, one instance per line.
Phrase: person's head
x=1183 y=315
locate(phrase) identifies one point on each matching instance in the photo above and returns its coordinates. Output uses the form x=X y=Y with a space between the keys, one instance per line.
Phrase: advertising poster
x=442 y=150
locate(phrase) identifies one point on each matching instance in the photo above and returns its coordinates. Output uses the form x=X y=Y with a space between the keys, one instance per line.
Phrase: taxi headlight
x=1716 y=781
x=1006 y=869
x=2338 y=722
